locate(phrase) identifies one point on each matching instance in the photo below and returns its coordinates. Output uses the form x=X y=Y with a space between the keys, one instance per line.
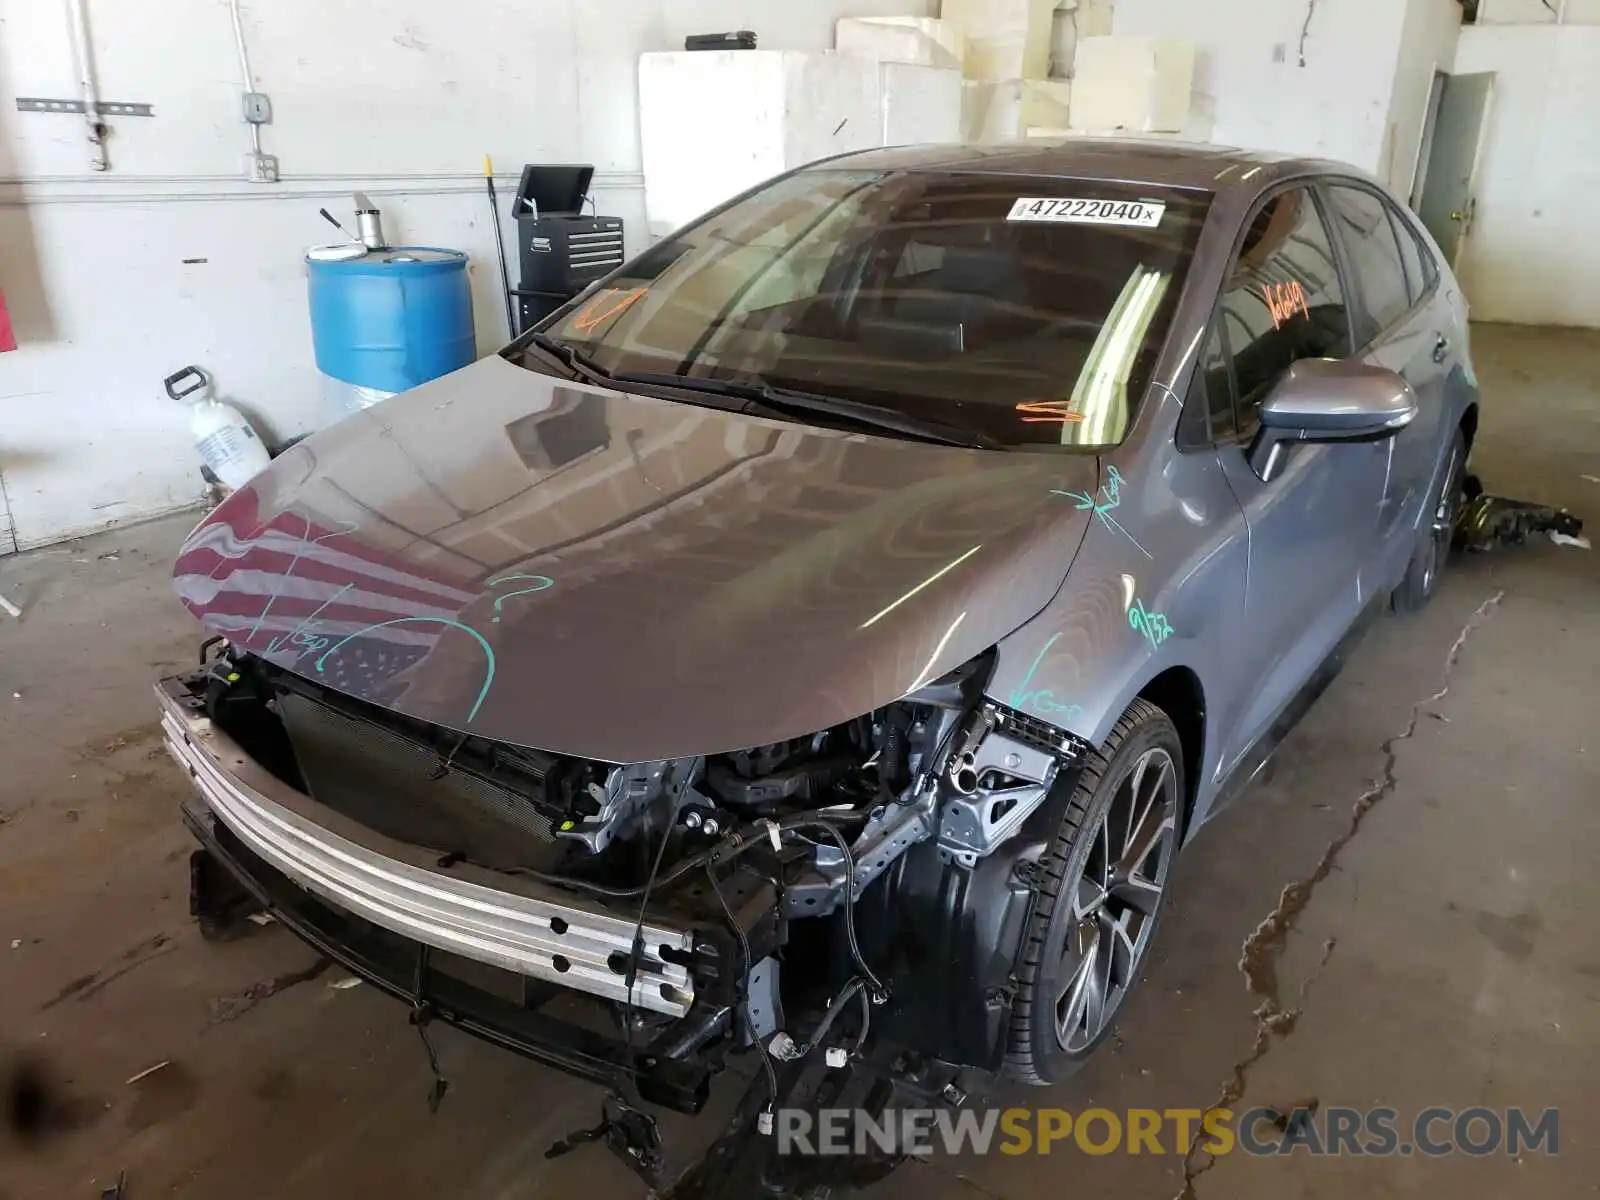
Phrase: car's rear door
x=1313 y=528
x=1397 y=327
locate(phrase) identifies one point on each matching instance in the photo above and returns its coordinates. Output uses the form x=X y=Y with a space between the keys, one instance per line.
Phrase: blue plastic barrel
x=392 y=318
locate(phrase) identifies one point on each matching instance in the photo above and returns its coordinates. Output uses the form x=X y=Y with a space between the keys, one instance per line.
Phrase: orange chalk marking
x=1284 y=300
x=593 y=316
x=1048 y=412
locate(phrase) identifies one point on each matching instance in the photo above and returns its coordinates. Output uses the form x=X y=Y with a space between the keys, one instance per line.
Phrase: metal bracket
x=106 y=108
x=889 y=832
x=993 y=787
x=764 y=999
x=627 y=793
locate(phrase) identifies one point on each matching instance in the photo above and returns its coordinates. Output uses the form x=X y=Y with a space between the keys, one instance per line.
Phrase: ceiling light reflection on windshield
x=1101 y=393
x=1190 y=352
x=937 y=575
x=927 y=671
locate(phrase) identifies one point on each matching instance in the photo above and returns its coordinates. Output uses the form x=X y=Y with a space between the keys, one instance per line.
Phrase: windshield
x=1026 y=311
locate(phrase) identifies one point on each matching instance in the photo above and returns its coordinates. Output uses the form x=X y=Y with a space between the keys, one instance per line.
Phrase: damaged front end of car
x=837 y=905
x=637 y=736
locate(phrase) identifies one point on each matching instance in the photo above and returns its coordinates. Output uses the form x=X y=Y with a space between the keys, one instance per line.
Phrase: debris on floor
x=1562 y=539
x=1488 y=522
x=228 y=1008
x=345 y=984
x=10 y=607
x=148 y=1071
x=118 y=1190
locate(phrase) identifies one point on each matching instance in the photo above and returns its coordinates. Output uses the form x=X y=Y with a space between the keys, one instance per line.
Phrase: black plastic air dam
x=400 y=967
x=928 y=920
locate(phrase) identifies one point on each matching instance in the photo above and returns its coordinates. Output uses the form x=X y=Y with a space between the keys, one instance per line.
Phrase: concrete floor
x=1448 y=957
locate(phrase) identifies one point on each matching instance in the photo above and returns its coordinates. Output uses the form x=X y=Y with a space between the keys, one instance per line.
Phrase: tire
x=1421 y=582
x=1071 y=935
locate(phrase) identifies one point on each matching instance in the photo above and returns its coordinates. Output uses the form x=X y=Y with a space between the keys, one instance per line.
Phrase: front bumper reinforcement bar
x=519 y=925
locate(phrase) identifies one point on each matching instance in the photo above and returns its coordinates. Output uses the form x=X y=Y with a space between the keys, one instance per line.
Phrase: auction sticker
x=1144 y=214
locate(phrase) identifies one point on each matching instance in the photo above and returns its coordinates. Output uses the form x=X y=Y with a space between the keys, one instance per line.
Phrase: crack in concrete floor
x=1258 y=960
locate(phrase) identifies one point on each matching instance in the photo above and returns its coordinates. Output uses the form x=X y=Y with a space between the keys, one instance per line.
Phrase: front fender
x=1158 y=583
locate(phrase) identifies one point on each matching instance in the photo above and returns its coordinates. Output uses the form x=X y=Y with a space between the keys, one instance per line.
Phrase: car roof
x=1174 y=164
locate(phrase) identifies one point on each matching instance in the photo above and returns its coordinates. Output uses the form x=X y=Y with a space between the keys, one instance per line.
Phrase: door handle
x=1441 y=348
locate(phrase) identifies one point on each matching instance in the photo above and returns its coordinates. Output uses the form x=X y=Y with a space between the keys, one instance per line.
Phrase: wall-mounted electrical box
x=257 y=108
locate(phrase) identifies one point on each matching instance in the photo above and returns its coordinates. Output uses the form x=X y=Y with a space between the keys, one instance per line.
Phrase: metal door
x=1451 y=175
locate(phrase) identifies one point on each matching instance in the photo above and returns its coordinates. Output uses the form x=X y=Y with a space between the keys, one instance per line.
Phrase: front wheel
x=1103 y=879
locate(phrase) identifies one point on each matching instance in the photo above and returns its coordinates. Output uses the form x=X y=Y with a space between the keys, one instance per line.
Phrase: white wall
x=1537 y=12
x=1532 y=256
x=1360 y=97
x=400 y=98
x=1248 y=66
x=1427 y=44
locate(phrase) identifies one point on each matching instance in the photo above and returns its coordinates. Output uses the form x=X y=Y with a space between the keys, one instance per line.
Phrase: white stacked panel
x=715 y=123
x=833 y=103
x=710 y=125
x=1006 y=39
x=1009 y=109
x=923 y=41
x=1132 y=84
x=920 y=104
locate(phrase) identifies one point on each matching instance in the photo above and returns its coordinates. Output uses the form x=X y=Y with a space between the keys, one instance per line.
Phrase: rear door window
x=1362 y=219
x=1283 y=300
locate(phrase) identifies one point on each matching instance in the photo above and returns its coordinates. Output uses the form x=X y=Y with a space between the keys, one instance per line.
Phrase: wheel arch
x=1178 y=692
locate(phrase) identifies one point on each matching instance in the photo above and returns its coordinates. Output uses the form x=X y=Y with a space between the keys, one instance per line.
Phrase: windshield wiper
x=571 y=357
x=788 y=402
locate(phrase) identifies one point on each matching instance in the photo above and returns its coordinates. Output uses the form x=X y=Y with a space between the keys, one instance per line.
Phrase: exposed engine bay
x=766 y=890
x=942 y=763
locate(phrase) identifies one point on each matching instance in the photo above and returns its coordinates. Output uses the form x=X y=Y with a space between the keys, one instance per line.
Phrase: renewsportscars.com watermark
x=1378 y=1132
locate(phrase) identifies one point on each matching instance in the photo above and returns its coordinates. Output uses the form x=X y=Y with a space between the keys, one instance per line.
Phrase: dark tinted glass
x=933 y=295
x=1283 y=301
x=1422 y=273
x=1208 y=414
x=1363 y=222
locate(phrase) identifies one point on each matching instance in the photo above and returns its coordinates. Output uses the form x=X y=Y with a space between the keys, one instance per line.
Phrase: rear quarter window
x=1422 y=269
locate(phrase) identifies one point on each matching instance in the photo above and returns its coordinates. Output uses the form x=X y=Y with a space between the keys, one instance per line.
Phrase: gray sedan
x=824 y=632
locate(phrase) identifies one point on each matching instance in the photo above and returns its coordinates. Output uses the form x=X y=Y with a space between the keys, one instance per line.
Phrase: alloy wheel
x=1115 y=899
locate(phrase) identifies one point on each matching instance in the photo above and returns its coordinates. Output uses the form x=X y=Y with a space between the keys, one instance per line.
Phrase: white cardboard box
x=1138 y=84
x=920 y=104
x=1009 y=109
x=1073 y=21
x=1006 y=39
x=715 y=123
x=924 y=41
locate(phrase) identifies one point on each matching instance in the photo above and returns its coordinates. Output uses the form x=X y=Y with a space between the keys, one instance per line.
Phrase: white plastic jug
x=225 y=440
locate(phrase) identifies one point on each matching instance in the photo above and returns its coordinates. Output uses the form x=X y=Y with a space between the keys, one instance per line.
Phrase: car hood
x=624 y=577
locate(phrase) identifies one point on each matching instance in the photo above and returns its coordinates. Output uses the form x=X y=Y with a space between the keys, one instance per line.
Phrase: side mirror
x=1330 y=400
